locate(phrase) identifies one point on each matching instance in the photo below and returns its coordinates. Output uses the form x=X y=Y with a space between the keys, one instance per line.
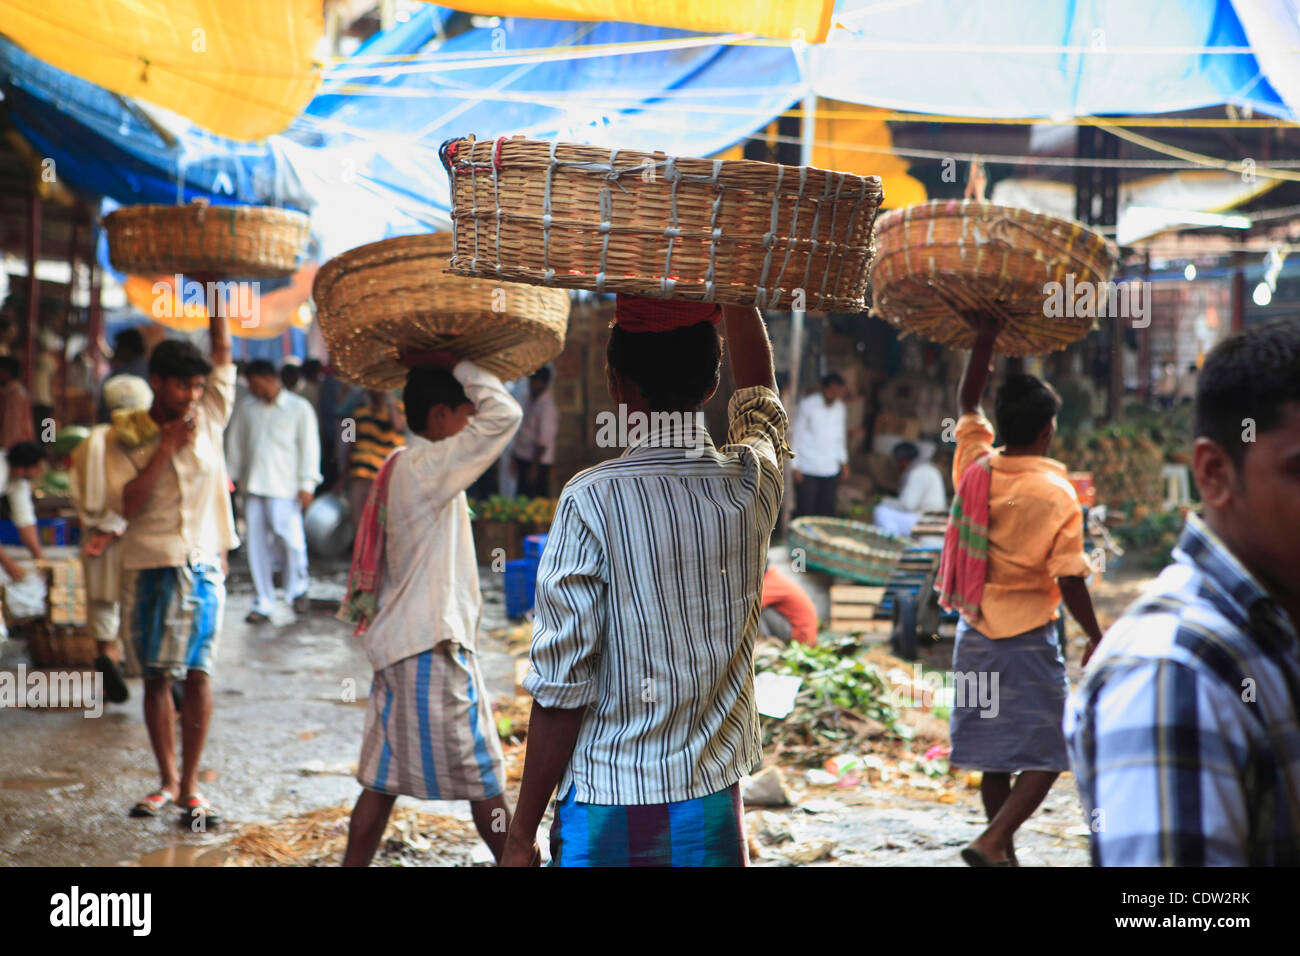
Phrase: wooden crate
x=853 y=609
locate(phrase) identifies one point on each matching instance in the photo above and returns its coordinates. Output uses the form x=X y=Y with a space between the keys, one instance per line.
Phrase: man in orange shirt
x=1008 y=664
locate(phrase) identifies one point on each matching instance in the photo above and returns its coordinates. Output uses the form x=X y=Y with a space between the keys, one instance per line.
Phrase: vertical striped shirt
x=1184 y=734
x=647 y=609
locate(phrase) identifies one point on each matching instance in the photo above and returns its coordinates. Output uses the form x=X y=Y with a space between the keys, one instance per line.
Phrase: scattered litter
x=771 y=829
x=821 y=806
x=775 y=694
x=820 y=778
x=314 y=768
x=809 y=852
x=318 y=838
x=767 y=788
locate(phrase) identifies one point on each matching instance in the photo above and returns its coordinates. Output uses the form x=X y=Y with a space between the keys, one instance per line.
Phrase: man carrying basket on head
x=648 y=604
x=1012 y=551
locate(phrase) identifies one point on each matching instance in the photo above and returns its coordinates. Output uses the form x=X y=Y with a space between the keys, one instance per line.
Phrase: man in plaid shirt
x=1184 y=734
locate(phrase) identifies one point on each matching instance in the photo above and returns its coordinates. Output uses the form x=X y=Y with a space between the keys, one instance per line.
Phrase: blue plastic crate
x=50 y=531
x=521 y=586
x=534 y=545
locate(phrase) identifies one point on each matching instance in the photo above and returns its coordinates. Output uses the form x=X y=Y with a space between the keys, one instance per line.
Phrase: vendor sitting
x=920 y=489
x=19 y=467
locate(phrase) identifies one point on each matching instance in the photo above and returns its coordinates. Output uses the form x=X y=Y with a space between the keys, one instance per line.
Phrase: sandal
x=976 y=857
x=195 y=807
x=152 y=805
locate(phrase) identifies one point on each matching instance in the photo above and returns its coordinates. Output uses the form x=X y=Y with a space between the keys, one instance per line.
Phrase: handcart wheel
x=903 y=639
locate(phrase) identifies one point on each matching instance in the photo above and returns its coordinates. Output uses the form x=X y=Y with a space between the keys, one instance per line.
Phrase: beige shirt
x=188 y=518
x=430 y=591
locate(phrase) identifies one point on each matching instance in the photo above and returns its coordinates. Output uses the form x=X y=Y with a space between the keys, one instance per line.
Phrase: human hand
x=1088 y=651
x=97 y=544
x=176 y=434
x=305 y=499
x=521 y=852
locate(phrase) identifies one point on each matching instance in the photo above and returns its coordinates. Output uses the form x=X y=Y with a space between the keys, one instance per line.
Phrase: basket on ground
x=237 y=241
x=937 y=260
x=848 y=549
x=378 y=300
x=618 y=220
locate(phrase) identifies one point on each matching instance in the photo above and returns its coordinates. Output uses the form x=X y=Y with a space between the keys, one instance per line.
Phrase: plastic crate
x=52 y=532
x=521 y=586
x=534 y=545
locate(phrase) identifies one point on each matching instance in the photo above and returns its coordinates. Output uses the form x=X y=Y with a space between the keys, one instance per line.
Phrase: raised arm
x=218 y=331
x=748 y=344
x=976 y=375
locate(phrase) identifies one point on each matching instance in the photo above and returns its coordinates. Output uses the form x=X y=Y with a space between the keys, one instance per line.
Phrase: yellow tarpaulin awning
x=806 y=20
x=239 y=68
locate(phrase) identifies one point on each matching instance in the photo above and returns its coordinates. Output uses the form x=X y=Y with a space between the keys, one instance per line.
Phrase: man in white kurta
x=273 y=453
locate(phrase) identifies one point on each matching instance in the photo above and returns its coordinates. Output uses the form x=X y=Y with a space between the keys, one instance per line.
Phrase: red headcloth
x=635 y=313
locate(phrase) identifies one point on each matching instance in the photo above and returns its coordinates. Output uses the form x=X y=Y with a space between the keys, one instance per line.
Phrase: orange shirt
x=1035 y=533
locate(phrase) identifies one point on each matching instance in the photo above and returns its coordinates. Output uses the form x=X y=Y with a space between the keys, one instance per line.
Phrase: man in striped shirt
x=648 y=603
x=1184 y=734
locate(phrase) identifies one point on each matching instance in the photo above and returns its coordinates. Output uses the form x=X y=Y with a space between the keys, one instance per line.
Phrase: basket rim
x=958 y=208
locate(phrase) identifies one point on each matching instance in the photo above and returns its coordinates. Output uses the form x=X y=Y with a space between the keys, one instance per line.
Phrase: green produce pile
x=524 y=510
x=843 y=700
x=1152 y=539
x=1125 y=463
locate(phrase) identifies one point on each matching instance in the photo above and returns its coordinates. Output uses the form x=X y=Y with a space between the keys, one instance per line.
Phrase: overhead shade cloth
x=266 y=315
x=779 y=19
x=239 y=68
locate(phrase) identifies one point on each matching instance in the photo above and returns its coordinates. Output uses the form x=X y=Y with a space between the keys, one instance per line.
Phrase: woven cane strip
x=235 y=241
x=375 y=301
x=705 y=230
x=936 y=260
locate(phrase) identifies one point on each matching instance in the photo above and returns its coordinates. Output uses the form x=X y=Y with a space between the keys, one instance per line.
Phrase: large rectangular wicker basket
x=236 y=241
x=936 y=261
x=618 y=220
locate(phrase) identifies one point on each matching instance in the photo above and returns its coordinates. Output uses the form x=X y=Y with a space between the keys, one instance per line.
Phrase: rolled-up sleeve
x=974 y=435
x=571 y=614
x=757 y=418
x=219 y=395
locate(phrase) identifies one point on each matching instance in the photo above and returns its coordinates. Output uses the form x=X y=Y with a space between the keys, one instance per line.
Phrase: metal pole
x=33 y=284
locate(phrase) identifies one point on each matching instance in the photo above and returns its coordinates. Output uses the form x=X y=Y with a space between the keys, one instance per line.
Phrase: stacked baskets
x=381 y=300
x=848 y=549
x=616 y=220
x=940 y=260
x=239 y=241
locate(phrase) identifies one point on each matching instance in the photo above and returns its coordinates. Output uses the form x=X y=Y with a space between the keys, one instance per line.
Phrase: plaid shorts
x=429 y=730
x=173 y=617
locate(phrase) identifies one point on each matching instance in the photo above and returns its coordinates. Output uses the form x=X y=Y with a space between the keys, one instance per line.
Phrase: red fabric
x=963 y=564
x=792 y=603
x=636 y=313
x=366 y=575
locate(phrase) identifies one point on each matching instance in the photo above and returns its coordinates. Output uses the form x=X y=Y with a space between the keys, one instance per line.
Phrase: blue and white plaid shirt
x=1184 y=735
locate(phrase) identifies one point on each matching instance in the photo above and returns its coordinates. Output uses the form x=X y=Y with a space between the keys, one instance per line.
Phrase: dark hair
x=674 y=370
x=906 y=451
x=260 y=367
x=543 y=373
x=1250 y=375
x=174 y=358
x=832 y=378
x=11 y=365
x=129 y=343
x=1024 y=406
x=427 y=387
x=311 y=368
x=25 y=454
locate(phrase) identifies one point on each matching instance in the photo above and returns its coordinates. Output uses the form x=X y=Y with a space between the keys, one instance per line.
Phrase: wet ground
x=290 y=705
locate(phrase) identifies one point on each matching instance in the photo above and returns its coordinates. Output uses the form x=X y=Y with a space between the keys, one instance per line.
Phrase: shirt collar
x=1021 y=464
x=1202 y=549
x=676 y=431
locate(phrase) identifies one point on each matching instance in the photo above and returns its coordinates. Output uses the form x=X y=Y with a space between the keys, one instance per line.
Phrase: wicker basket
x=236 y=241
x=379 y=299
x=611 y=220
x=939 y=259
x=50 y=645
x=847 y=549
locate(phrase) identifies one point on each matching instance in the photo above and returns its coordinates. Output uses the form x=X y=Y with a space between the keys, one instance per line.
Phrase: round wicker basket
x=937 y=260
x=613 y=220
x=378 y=300
x=848 y=549
x=237 y=241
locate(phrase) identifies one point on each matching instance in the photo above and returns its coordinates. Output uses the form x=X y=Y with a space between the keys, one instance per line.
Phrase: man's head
x=539 y=381
x=312 y=370
x=10 y=369
x=905 y=453
x=436 y=404
x=26 y=460
x=833 y=387
x=127 y=347
x=1025 y=409
x=262 y=380
x=673 y=371
x=290 y=375
x=178 y=373
x=1247 y=452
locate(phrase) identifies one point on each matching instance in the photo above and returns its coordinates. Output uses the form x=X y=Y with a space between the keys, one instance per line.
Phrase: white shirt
x=430 y=591
x=540 y=427
x=647 y=610
x=820 y=436
x=923 y=489
x=273 y=448
x=22 y=510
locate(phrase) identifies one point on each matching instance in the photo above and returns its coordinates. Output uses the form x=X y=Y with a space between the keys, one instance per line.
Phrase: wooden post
x=61 y=382
x=1116 y=368
x=33 y=284
x=96 y=330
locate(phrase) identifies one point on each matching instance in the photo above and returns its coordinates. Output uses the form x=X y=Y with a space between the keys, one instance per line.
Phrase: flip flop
x=152 y=805
x=194 y=807
x=977 y=857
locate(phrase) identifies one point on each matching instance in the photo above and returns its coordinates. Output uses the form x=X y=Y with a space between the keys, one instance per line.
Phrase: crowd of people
x=1183 y=735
